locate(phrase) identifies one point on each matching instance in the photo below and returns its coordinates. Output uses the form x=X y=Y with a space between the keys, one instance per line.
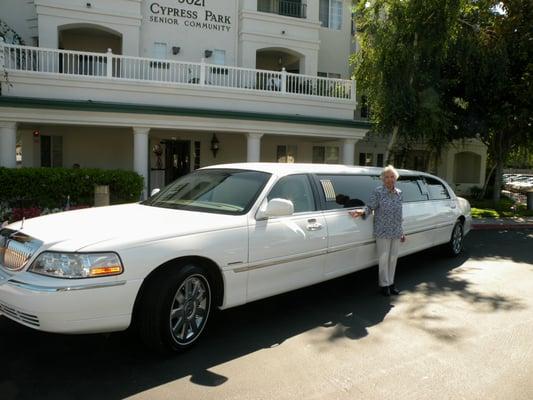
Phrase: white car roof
x=292 y=168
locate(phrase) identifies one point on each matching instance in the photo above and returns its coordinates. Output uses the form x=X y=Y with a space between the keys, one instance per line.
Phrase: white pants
x=387 y=256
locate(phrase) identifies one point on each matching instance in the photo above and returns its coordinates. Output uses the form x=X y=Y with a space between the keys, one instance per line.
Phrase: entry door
x=287 y=252
x=177 y=159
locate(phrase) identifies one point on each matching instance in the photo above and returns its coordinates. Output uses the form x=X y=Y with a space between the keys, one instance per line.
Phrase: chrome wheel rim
x=457 y=239
x=190 y=309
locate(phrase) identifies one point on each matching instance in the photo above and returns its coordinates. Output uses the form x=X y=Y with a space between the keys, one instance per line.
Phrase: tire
x=174 y=309
x=455 y=245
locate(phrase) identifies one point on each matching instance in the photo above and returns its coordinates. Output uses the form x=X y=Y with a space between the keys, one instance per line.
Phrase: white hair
x=390 y=168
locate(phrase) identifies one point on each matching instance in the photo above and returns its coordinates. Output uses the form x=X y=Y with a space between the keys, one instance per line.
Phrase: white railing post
x=109 y=72
x=2 y=59
x=283 y=80
x=352 y=92
x=202 y=72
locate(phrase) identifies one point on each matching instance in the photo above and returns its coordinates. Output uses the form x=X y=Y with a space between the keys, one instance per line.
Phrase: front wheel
x=175 y=308
x=455 y=245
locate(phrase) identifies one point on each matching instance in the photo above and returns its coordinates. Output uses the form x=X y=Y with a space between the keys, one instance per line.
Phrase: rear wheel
x=174 y=308
x=455 y=246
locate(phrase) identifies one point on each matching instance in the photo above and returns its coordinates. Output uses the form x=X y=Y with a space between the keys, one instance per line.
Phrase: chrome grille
x=18 y=315
x=16 y=249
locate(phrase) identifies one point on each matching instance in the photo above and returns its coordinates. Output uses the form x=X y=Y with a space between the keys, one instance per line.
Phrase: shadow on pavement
x=48 y=366
x=513 y=245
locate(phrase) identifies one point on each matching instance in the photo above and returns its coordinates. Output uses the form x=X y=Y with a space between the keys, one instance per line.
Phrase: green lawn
x=504 y=208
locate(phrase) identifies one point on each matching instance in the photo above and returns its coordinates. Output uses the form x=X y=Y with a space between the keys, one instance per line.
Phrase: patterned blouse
x=388 y=216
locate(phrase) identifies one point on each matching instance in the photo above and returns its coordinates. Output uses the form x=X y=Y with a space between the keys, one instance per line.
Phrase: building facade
x=166 y=86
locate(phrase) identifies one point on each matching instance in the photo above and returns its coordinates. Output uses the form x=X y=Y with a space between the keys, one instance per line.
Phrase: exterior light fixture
x=208 y=53
x=175 y=49
x=215 y=145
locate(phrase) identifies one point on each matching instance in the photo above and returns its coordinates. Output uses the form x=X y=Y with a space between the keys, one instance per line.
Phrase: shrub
x=53 y=187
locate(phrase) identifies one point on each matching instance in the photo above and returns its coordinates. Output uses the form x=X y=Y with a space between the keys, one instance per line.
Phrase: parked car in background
x=216 y=238
x=518 y=182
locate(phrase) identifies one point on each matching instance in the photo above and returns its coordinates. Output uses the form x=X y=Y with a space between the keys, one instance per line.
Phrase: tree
x=399 y=67
x=491 y=61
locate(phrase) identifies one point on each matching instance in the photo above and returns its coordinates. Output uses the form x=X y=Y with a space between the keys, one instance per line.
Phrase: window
x=323 y=13
x=213 y=190
x=326 y=154
x=286 y=153
x=297 y=189
x=366 y=159
x=51 y=151
x=335 y=14
x=342 y=191
x=379 y=162
x=219 y=57
x=330 y=14
x=436 y=189
x=413 y=188
x=160 y=50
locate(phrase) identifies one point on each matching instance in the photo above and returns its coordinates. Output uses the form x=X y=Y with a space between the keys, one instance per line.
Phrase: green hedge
x=50 y=187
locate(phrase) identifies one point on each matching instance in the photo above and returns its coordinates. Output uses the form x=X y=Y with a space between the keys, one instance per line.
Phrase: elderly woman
x=386 y=202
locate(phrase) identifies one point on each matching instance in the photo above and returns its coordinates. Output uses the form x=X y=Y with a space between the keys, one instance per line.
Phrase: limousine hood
x=121 y=226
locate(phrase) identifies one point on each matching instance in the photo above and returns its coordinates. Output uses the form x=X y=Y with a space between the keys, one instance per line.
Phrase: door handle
x=314 y=227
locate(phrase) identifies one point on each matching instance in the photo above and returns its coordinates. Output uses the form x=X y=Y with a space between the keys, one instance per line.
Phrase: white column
x=140 y=155
x=8 y=144
x=253 y=147
x=348 y=150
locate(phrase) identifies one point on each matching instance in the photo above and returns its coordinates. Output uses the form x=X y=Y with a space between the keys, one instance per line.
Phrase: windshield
x=212 y=190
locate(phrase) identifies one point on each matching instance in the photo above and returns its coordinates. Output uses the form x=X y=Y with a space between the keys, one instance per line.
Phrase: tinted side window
x=297 y=189
x=411 y=187
x=436 y=189
x=343 y=191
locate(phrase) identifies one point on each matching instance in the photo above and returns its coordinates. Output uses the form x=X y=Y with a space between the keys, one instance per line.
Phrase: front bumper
x=62 y=306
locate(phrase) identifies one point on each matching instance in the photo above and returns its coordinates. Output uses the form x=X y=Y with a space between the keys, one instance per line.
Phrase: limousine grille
x=18 y=315
x=16 y=249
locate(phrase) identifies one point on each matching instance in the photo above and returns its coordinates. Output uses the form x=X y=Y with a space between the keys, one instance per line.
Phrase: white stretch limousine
x=216 y=238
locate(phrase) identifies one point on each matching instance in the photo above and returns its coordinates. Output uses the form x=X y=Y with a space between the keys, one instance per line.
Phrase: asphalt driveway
x=461 y=329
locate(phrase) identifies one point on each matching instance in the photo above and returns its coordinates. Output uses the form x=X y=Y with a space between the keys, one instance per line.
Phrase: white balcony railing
x=118 y=67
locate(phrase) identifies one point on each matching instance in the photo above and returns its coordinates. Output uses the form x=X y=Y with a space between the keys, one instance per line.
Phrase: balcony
x=63 y=74
x=295 y=9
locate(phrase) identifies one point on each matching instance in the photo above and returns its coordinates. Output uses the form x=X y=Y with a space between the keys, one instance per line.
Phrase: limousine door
x=445 y=210
x=419 y=215
x=287 y=252
x=351 y=245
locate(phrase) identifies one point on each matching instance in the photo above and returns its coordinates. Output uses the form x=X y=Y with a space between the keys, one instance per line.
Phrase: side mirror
x=276 y=208
x=154 y=192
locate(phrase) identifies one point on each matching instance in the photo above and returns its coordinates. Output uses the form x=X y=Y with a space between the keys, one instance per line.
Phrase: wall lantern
x=215 y=145
x=175 y=49
x=36 y=133
x=208 y=53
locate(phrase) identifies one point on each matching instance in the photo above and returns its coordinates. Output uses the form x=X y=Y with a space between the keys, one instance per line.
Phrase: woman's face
x=389 y=179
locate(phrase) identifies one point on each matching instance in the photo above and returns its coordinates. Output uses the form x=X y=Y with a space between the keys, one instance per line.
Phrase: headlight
x=77 y=265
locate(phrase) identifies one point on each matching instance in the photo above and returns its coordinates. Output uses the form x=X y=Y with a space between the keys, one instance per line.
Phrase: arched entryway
x=467 y=167
x=274 y=59
x=89 y=37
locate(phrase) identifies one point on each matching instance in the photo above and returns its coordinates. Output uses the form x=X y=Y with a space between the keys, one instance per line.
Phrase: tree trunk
x=389 y=154
x=487 y=179
x=496 y=195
